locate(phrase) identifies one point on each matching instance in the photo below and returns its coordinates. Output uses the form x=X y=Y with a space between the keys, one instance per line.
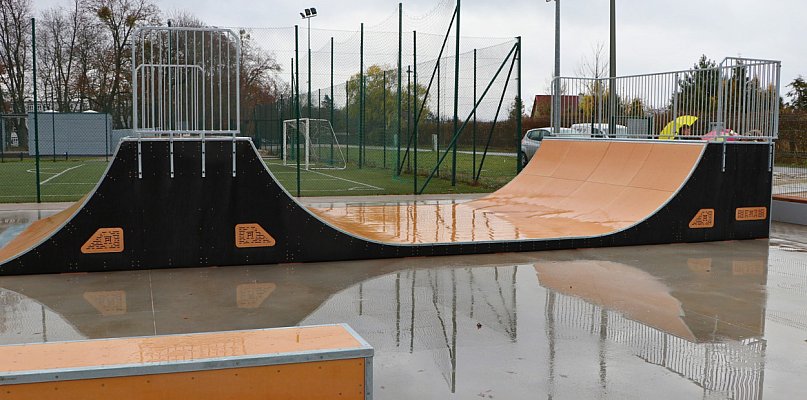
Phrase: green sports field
x=69 y=180
x=60 y=180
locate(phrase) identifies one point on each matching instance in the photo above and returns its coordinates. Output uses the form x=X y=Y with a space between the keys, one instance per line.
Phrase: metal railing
x=735 y=101
x=186 y=82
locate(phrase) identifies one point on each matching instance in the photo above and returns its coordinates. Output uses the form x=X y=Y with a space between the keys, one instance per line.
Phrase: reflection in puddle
x=657 y=321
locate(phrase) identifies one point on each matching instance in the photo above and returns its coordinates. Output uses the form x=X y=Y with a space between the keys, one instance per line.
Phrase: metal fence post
x=400 y=50
x=2 y=139
x=332 y=99
x=456 y=97
x=415 y=106
x=518 y=106
x=675 y=107
x=333 y=123
x=408 y=111
x=347 y=121
x=438 y=110
x=107 y=138
x=36 y=111
x=384 y=119
x=297 y=102
x=280 y=127
x=361 y=96
x=473 y=159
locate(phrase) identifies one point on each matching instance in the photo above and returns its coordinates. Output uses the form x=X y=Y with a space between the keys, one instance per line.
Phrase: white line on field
x=59 y=174
x=347 y=180
x=330 y=176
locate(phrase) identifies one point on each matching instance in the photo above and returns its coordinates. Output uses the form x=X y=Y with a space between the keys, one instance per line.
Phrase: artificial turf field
x=69 y=180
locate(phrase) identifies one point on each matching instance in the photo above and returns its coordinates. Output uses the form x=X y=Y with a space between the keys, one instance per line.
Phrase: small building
x=74 y=134
x=542 y=105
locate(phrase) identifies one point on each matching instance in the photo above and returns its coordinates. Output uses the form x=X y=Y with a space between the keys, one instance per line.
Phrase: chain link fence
x=404 y=119
x=403 y=106
x=790 y=171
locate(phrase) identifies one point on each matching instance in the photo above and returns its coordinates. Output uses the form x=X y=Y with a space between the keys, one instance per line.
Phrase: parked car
x=600 y=130
x=532 y=141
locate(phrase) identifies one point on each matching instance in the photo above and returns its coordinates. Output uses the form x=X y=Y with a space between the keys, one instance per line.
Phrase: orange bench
x=315 y=362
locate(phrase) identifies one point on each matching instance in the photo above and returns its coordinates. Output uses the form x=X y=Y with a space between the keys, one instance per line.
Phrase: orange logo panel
x=705 y=218
x=104 y=240
x=252 y=235
x=751 y=214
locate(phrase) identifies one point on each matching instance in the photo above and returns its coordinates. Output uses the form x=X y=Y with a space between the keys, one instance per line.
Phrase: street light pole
x=309 y=67
x=556 y=76
x=612 y=99
x=307 y=14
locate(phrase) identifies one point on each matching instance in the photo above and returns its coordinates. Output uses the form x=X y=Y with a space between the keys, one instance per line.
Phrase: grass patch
x=59 y=180
x=69 y=180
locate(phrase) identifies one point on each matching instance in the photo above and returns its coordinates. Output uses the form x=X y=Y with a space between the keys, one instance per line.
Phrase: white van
x=600 y=130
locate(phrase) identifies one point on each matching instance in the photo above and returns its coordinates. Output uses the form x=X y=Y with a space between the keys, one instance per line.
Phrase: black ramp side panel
x=189 y=221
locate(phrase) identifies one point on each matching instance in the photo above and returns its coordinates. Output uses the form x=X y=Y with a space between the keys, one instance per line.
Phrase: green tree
x=377 y=110
x=797 y=94
x=514 y=112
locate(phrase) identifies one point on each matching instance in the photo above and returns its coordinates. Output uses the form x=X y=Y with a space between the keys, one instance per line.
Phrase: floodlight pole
x=307 y=15
x=309 y=67
x=456 y=97
x=612 y=99
x=556 y=83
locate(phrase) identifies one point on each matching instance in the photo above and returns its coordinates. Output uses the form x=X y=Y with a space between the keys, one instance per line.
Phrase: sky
x=652 y=36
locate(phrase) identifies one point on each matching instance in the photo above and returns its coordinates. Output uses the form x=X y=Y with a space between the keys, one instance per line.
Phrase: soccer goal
x=319 y=148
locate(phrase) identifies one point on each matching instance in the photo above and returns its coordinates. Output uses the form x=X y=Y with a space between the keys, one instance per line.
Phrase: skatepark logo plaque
x=751 y=214
x=252 y=235
x=705 y=218
x=104 y=240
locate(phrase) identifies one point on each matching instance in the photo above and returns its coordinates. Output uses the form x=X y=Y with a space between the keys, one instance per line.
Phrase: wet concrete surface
x=710 y=320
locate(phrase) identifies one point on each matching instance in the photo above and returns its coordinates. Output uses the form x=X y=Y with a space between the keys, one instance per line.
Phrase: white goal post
x=319 y=147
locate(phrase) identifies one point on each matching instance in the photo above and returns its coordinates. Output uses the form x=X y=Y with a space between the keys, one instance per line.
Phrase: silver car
x=531 y=142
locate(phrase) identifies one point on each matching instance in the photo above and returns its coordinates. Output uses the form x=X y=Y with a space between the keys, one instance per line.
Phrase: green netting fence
x=404 y=105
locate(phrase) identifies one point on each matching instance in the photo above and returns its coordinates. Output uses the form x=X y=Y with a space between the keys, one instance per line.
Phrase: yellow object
x=669 y=134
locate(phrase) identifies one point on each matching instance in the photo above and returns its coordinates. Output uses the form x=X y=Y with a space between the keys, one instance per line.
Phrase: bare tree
x=119 y=19
x=594 y=65
x=61 y=30
x=15 y=46
x=88 y=56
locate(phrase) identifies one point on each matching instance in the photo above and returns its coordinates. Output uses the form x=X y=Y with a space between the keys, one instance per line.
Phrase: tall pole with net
x=400 y=50
x=36 y=110
x=297 y=102
x=456 y=96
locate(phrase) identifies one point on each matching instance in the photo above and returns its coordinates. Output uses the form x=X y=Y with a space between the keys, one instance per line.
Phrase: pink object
x=726 y=134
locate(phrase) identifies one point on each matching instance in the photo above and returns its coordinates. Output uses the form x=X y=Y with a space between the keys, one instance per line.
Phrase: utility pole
x=612 y=99
x=556 y=80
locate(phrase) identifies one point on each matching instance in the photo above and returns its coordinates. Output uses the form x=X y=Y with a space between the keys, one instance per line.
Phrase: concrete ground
x=708 y=320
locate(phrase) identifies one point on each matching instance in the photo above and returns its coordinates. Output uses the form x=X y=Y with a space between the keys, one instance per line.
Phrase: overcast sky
x=652 y=36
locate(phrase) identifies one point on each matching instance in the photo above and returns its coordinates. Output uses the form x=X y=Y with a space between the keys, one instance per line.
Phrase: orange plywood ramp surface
x=172 y=348
x=570 y=189
x=316 y=362
x=38 y=231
